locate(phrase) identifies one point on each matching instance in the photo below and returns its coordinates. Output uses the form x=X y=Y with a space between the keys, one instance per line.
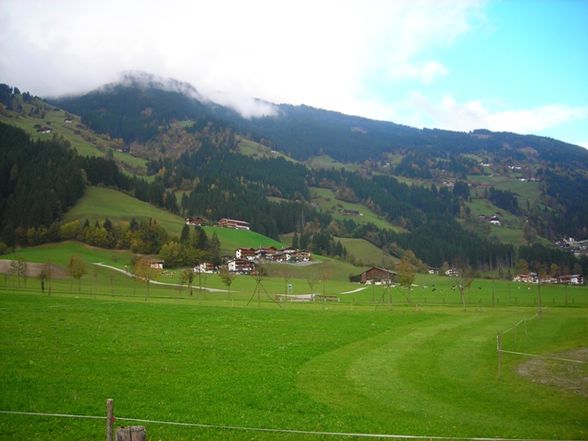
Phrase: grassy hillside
x=99 y=203
x=527 y=192
x=233 y=239
x=326 y=200
x=85 y=141
x=255 y=150
x=325 y=161
x=60 y=253
x=365 y=253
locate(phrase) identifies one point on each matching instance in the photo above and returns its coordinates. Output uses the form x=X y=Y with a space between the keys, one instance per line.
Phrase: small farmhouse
x=377 y=275
x=571 y=279
x=233 y=223
x=156 y=264
x=205 y=268
x=196 y=221
x=526 y=278
x=301 y=256
x=452 y=272
x=495 y=220
x=241 y=266
x=266 y=253
x=245 y=253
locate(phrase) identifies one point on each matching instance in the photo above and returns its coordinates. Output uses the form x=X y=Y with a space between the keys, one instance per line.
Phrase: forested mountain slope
x=434 y=190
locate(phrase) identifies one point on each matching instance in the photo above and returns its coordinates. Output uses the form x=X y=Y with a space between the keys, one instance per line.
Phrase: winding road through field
x=154 y=282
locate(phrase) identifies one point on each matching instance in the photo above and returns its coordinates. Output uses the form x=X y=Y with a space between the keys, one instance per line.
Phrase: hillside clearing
x=86 y=142
x=360 y=214
x=100 y=203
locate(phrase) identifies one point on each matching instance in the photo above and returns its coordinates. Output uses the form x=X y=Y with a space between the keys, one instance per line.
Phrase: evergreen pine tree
x=214 y=249
x=295 y=241
x=185 y=235
x=201 y=239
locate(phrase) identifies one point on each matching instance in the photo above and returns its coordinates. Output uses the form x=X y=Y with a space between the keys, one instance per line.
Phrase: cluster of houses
x=225 y=222
x=569 y=279
x=247 y=259
x=578 y=247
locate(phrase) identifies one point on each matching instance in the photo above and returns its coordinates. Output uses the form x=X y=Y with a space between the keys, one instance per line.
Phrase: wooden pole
x=499 y=352
x=109 y=418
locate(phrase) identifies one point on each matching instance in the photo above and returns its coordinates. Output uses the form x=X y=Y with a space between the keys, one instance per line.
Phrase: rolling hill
x=100 y=203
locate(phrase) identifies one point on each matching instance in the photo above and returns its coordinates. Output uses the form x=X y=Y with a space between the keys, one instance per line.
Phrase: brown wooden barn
x=377 y=275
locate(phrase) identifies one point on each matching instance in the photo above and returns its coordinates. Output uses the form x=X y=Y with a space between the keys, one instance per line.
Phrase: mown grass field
x=388 y=361
x=346 y=367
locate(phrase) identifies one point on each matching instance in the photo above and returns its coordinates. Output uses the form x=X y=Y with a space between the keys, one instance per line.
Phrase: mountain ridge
x=305 y=131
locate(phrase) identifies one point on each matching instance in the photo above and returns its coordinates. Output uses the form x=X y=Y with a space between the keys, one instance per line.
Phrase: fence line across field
x=500 y=350
x=110 y=419
x=547 y=357
x=520 y=322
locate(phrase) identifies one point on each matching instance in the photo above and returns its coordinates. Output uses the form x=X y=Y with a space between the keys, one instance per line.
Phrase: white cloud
x=319 y=53
x=426 y=73
x=449 y=114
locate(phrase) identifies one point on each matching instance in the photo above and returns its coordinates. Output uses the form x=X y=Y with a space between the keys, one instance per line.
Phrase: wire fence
x=514 y=329
x=364 y=298
x=221 y=427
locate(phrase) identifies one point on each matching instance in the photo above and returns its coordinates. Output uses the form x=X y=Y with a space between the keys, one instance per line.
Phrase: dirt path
x=354 y=291
x=33 y=269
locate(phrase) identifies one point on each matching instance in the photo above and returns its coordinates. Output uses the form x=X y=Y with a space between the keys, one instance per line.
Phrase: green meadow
x=527 y=192
x=326 y=200
x=354 y=366
x=100 y=203
x=366 y=253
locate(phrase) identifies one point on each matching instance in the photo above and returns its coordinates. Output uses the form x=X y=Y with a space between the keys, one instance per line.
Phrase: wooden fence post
x=131 y=433
x=109 y=418
x=499 y=352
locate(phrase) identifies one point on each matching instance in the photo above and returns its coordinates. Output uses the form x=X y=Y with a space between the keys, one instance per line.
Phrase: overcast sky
x=511 y=65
